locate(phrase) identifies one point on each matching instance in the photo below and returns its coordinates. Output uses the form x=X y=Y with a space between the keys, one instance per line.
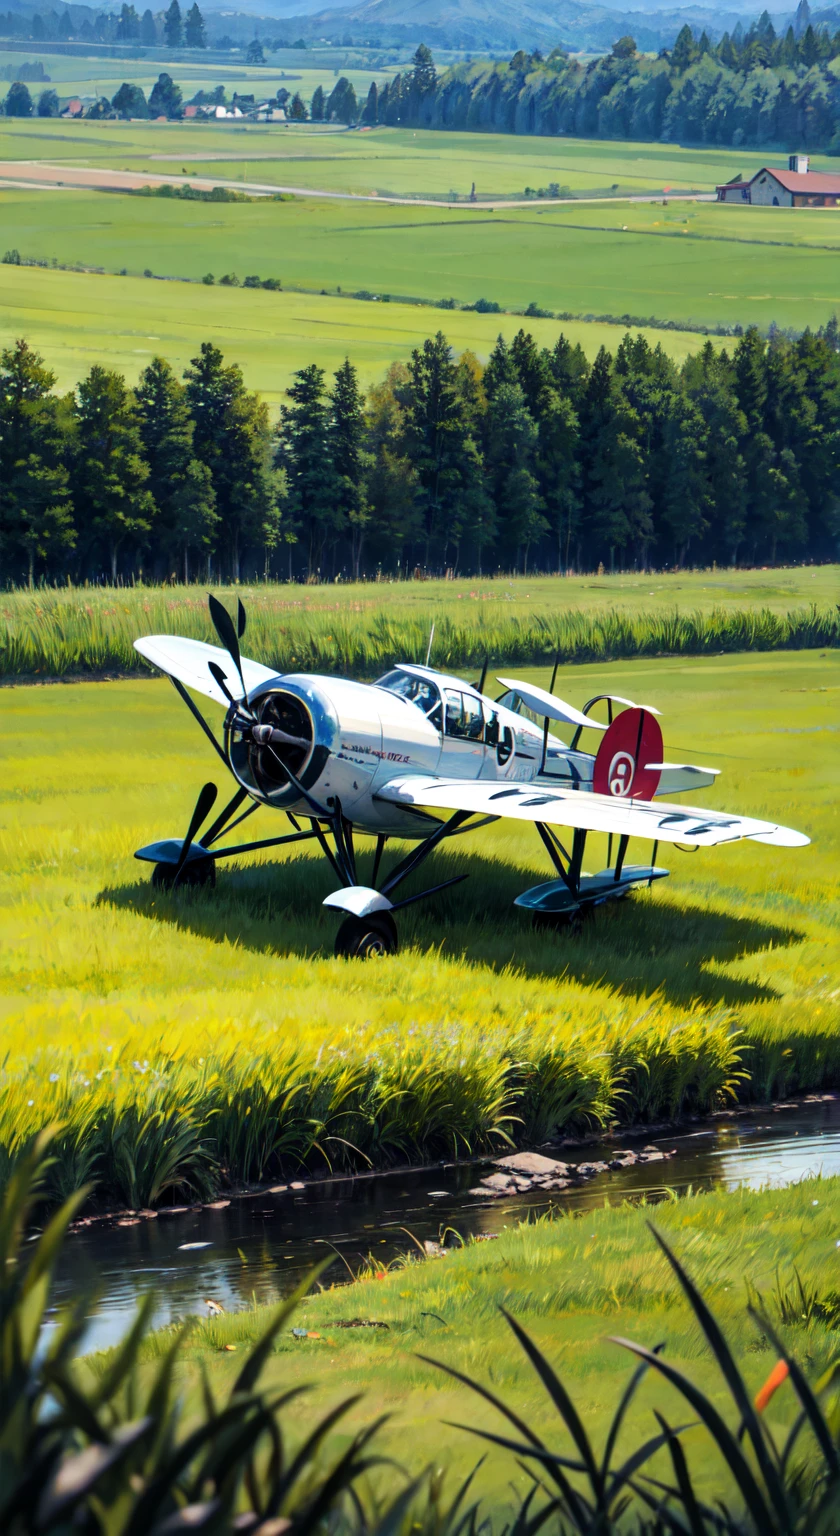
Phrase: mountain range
x=497 y=26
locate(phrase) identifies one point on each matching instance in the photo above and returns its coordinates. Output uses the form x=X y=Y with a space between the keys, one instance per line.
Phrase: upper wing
x=591 y=812
x=547 y=704
x=188 y=661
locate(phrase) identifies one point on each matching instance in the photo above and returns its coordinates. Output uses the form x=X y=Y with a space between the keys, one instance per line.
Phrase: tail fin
x=632 y=743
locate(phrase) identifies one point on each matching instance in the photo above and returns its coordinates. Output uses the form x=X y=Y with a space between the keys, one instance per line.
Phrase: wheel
x=561 y=922
x=194 y=872
x=367 y=938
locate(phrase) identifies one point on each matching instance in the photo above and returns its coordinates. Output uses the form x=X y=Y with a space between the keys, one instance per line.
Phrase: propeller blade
x=226 y=631
x=241 y=619
x=219 y=676
x=203 y=806
x=554 y=673
x=483 y=679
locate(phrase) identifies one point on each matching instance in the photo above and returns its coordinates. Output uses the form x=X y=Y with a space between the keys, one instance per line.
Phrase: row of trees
x=151 y=29
x=751 y=88
x=537 y=460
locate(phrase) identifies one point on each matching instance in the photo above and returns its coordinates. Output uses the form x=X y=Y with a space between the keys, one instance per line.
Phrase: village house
x=797 y=187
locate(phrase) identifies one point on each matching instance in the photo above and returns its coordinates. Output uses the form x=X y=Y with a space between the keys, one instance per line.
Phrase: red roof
x=732 y=186
x=799 y=181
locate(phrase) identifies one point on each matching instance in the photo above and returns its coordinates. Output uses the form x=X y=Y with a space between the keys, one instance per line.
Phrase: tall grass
x=144 y=1124
x=54 y=633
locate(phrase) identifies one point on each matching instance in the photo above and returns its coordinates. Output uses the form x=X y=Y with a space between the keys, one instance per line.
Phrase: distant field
x=404 y=162
x=297 y=71
x=693 y=264
x=76 y=320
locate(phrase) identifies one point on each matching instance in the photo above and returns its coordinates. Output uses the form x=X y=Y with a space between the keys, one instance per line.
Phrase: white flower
x=53 y=1077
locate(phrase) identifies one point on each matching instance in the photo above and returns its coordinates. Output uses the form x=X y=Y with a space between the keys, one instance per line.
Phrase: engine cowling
x=294 y=727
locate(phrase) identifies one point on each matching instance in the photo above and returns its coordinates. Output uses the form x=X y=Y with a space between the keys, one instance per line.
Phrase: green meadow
x=395 y=161
x=222 y=1019
x=693 y=264
x=573 y=1283
x=78 y=319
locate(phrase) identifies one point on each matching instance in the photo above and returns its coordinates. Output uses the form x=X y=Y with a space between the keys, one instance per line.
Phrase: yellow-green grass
x=77 y=319
x=404 y=162
x=573 y=1283
x=696 y=266
x=360 y=628
x=235 y=997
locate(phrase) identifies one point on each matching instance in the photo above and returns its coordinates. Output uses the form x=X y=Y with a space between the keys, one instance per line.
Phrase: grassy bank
x=179 y=1037
x=572 y=1282
x=362 y=629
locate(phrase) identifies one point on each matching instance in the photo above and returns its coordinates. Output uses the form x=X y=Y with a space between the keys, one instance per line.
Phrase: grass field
x=361 y=628
x=76 y=320
x=690 y=264
x=295 y=70
x=404 y=162
x=572 y=1283
x=229 y=1007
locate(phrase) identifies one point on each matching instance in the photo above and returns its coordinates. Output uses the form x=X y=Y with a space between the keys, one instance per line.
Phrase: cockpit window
x=464 y=716
x=416 y=690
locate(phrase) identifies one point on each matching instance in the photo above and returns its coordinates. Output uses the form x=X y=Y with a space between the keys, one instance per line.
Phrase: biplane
x=423 y=757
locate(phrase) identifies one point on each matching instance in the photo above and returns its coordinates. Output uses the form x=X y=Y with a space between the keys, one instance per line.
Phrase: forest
x=536 y=461
x=750 y=88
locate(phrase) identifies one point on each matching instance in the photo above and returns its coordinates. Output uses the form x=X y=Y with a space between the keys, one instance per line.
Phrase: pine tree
x=36 y=519
x=195 y=31
x=342 y=106
x=179 y=482
x=304 y=452
x=173 y=27
x=434 y=434
x=350 y=461
x=684 y=51
x=316 y=110
x=371 y=107
x=297 y=110
x=110 y=474
x=232 y=437
x=511 y=456
x=148 y=30
x=128 y=26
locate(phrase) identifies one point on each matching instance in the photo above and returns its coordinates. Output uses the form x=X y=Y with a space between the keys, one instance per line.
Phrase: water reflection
x=259 y=1247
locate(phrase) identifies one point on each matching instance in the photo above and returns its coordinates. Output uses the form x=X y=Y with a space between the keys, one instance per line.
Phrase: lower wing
x=590 y=812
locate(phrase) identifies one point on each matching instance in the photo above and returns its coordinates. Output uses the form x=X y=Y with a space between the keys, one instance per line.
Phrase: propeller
x=229 y=634
x=203 y=806
x=238 y=704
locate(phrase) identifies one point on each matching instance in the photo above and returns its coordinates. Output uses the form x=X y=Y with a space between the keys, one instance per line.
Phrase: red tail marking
x=633 y=739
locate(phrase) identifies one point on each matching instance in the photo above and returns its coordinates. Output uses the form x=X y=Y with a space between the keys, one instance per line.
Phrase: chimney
x=799 y=163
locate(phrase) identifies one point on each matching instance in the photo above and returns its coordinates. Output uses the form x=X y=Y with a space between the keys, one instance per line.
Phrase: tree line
x=537 y=460
x=752 y=87
x=151 y=29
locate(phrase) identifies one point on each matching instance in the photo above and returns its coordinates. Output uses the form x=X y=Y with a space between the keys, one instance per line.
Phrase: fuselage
x=344 y=740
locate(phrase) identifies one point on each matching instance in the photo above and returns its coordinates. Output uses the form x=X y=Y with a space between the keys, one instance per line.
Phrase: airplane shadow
x=654 y=941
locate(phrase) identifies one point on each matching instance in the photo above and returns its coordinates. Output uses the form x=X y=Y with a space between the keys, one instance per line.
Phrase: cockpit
x=416 y=690
x=458 y=714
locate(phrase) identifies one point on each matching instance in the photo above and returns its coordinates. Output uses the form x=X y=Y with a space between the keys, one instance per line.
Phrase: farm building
x=797 y=187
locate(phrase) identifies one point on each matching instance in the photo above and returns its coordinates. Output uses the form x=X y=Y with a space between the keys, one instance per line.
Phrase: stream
x=260 y=1245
